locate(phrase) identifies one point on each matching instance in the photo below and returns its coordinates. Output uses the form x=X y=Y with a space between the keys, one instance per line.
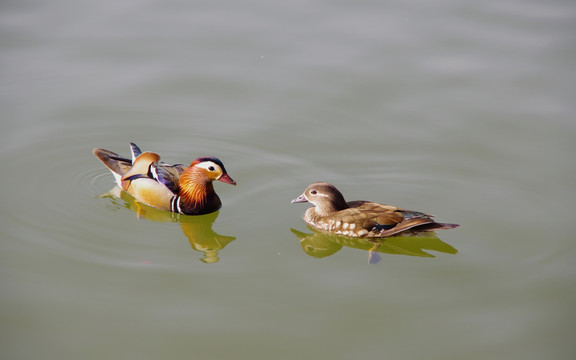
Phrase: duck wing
x=144 y=188
x=370 y=219
x=167 y=174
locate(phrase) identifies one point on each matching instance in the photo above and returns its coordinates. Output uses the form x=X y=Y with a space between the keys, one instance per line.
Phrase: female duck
x=176 y=188
x=362 y=219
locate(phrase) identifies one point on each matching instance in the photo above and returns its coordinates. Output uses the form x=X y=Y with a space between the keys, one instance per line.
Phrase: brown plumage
x=363 y=219
x=176 y=188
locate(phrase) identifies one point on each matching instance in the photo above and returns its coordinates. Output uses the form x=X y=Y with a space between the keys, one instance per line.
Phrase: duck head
x=197 y=195
x=209 y=169
x=325 y=197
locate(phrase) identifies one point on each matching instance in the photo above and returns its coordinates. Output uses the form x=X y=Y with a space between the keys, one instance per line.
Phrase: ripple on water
x=57 y=206
x=71 y=218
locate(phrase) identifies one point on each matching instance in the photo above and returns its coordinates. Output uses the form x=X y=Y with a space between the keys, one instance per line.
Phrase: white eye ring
x=313 y=192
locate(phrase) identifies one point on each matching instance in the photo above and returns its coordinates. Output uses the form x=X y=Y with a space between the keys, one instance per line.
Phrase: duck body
x=362 y=219
x=177 y=188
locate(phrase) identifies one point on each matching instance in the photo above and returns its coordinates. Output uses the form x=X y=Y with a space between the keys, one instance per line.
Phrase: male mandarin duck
x=363 y=219
x=176 y=188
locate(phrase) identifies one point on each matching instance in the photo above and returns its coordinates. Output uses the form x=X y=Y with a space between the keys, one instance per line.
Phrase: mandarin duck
x=361 y=219
x=177 y=188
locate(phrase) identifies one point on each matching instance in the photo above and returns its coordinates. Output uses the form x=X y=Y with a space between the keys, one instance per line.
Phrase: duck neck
x=197 y=195
x=335 y=204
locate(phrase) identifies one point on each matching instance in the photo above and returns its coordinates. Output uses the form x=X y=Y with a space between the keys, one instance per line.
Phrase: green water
x=459 y=109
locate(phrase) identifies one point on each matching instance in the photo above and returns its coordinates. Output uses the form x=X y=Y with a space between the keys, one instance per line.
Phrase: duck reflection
x=197 y=228
x=319 y=245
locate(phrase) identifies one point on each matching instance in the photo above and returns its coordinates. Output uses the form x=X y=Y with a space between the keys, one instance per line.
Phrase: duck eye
x=211 y=168
x=313 y=192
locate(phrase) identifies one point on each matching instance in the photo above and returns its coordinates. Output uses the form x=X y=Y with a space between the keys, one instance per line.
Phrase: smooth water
x=461 y=109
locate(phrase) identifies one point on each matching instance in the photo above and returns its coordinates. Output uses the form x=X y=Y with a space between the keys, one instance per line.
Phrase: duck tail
x=117 y=164
x=437 y=226
x=444 y=226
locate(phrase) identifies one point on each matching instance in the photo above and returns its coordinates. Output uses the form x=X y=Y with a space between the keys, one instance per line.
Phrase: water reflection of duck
x=320 y=244
x=361 y=219
x=198 y=229
x=176 y=188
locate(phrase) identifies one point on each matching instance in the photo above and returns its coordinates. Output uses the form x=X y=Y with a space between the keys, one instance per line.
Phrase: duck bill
x=300 y=199
x=225 y=178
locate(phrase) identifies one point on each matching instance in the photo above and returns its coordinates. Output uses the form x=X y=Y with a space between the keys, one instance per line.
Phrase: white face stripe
x=314 y=198
x=211 y=166
x=318 y=193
